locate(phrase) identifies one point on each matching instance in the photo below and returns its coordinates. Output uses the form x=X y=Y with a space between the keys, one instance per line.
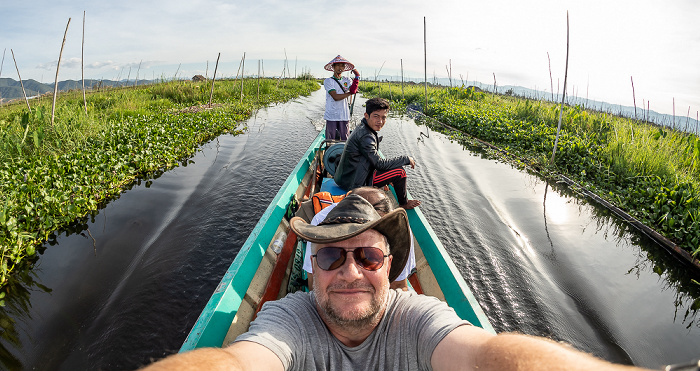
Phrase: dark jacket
x=361 y=157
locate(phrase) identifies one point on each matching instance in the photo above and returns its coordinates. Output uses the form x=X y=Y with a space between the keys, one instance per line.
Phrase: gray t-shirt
x=412 y=327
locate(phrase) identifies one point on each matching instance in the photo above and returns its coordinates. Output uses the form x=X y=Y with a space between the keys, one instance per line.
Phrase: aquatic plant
x=651 y=172
x=52 y=175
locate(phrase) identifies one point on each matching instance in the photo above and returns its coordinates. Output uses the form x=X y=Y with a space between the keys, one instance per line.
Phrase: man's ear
x=388 y=267
x=366 y=116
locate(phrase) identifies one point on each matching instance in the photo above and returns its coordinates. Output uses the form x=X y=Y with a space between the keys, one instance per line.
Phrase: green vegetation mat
x=650 y=172
x=53 y=175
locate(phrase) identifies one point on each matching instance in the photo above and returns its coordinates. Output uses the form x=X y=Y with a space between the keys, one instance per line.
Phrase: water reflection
x=14 y=314
x=677 y=274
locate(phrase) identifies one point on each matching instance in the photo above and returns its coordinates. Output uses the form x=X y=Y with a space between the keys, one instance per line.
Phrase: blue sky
x=656 y=43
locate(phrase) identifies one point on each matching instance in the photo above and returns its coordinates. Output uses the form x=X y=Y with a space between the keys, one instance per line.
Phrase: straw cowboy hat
x=348 y=66
x=354 y=215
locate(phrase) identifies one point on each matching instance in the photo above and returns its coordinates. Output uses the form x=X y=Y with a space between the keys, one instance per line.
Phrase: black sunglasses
x=330 y=258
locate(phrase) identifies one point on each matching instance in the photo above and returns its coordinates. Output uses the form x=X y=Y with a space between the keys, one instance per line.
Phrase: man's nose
x=351 y=268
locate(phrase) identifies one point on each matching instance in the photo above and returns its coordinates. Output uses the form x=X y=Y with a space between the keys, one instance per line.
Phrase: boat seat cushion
x=332 y=188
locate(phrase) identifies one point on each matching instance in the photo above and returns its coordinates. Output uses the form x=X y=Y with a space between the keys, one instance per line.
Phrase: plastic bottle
x=279 y=243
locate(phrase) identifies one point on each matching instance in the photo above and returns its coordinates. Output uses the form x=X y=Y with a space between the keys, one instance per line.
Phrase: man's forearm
x=522 y=352
x=212 y=359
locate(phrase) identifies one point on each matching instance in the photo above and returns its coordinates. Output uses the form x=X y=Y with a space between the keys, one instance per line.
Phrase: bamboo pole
x=176 y=71
x=425 y=65
x=58 y=65
x=561 y=110
x=82 y=65
x=674 y=113
x=402 y=93
x=687 y=119
x=3 y=60
x=136 y=83
x=211 y=93
x=551 y=82
x=634 y=100
x=20 y=80
x=1 y=64
x=587 y=82
x=494 y=85
x=242 y=77
x=258 y=81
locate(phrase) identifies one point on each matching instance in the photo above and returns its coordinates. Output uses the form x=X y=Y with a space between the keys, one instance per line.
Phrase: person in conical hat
x=338 y=91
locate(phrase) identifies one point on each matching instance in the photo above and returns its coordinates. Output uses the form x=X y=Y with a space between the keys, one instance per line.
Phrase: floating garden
x=651 y=172
x=56 y=171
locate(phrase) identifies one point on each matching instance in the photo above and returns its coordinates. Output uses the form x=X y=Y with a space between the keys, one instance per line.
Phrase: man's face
x=351 y=295
x=338 y=68
x=377 y=119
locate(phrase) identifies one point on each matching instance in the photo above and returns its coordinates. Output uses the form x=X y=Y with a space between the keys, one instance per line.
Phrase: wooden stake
x=1 y=64
x=674 y=113
x=55 y=86
x=136 y=83
x=82 y=65
x=259 y=81
x=561 y=110
x=634 y=100
x=494 y=85
x=242 y=77
x=425 y=65
x=3 y=60
x=402 y=93
x=211 y=94
x=20 y=80
x=551 y=82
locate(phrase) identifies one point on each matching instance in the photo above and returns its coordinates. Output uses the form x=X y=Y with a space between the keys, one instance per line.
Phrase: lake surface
x=539 y=259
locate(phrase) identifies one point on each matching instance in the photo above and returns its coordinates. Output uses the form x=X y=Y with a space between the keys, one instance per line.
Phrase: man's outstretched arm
x=472 y=348
x=243 y=355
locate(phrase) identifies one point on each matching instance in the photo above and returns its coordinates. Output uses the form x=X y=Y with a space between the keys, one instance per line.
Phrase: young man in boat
x=360 y=163
x=338 y=90
x=381 y=203
x=353 y=321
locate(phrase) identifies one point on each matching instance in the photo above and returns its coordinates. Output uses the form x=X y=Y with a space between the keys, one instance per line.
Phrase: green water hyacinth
x=54 y=176
x=651 y=172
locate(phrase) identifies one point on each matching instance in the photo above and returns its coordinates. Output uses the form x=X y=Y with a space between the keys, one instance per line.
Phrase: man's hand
x=356 y=72
x=413 y=162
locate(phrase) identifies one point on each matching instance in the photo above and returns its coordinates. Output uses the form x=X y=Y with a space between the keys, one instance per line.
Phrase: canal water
x=126 y=287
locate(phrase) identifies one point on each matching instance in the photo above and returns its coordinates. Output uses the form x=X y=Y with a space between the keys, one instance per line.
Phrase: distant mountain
x=11 y=89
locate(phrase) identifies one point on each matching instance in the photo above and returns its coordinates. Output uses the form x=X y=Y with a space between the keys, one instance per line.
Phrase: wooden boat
x=262 y=269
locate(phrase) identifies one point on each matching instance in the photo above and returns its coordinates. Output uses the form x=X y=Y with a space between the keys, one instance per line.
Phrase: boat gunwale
x=224 y=302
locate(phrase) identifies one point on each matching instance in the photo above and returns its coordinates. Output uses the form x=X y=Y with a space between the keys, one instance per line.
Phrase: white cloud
x=657 y=43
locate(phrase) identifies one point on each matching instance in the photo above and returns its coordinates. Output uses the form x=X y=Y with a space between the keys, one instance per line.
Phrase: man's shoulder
x=413 y=300
x=293 y=301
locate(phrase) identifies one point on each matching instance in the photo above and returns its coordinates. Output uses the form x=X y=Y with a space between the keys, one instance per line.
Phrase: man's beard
x=356 y=319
